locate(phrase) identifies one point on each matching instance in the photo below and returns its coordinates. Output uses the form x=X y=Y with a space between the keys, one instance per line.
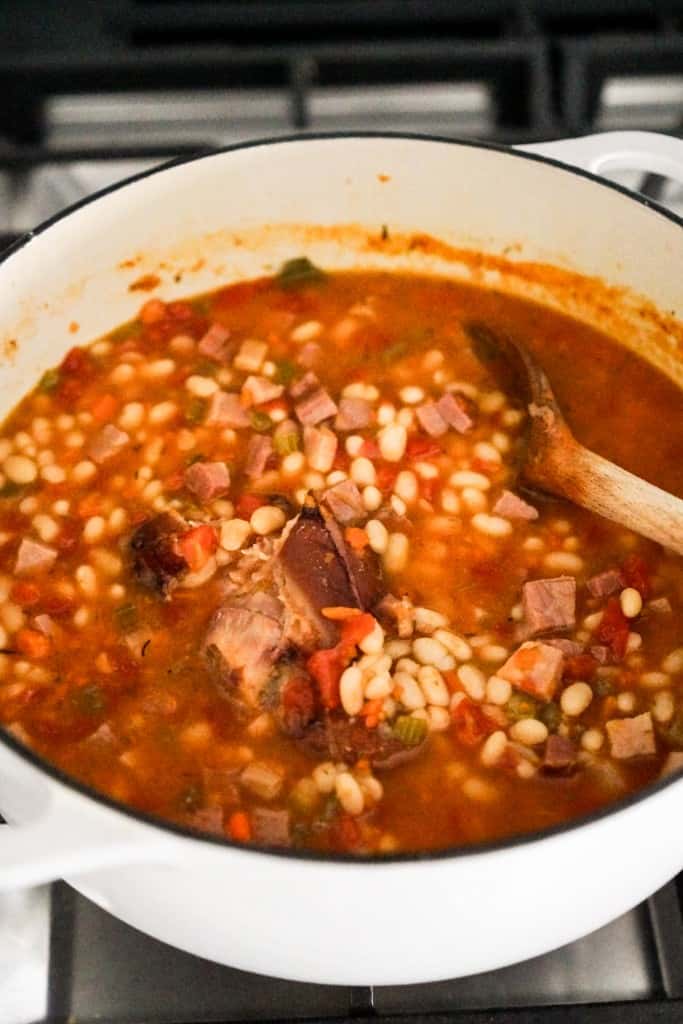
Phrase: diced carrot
x=339 y=613
x=356 y=629
x=197 y=545
x=356 y=537
x=25 y=594
x=32 y=643
x=90 y=505
x=104 y=408
x=239 y=826
x=451 y=680
x=371 y=712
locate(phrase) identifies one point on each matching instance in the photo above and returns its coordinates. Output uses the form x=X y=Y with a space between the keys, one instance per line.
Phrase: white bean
x=576 y=698
x=349 y=793
x=351 y=690
x=529 y=731
x=492 y=526
x=267 y=519
x=473 y=682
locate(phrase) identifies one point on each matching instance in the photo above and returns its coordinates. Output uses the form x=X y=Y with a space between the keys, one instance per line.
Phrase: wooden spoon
x=555 y=462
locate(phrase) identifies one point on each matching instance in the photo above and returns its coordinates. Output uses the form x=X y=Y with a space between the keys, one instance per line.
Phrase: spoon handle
x=600 y=486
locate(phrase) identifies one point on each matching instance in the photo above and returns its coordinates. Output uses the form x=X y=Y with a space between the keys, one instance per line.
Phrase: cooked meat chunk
x=363 y=567
x=257 y=390
x=549 y=605
x=570 y=648
x=258 y=452
x=270 y=827
x=431 y=420
x=560 y=753
x=535 y=668
x=345 y=502
x=262 y=780
x=511 y=506
x=605 y=583
x=226 y=410
x=452 y=410
x=108 y=443
x=296 y=701
x=602 y=654
x=631 y=737
x=312 y=402
x=215 y=344
x=157 y=563
x=314 y=575
x=320 y=448
x=33 y=558
x=673 y=763
x=242 y=644
x=354 y=414
x=207 y=480
x=338 y=738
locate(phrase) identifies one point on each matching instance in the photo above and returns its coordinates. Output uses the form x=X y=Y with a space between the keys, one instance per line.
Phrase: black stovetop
x=101 y=970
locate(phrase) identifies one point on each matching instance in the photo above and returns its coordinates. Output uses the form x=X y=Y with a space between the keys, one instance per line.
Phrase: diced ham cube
x=107 y=443
x=560 y=753
x=450 y=410
x=660 y=606
x=315 y=406
x=226 y=410
x=45 y=624
x=259 y=451
x=570 y=648
x=673 y=763
x=257 y=390
x=309 y=354
x=270 y=827
x=510 y=506
x=345 y=502
x=354 y=414
x=549 y=604
x=302 y=386
x=207 y=480
x=320 y=448
x=214 y=344
x=605 y=583
x=631 y=737
x=431 y=420
x=602 y=654
x=535 y=668
x=33 y=558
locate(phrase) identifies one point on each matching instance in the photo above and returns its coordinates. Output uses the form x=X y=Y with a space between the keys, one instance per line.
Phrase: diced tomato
x=298 y=704
x=247 y=505
x=25 y=594
x=239 y=827
x=636 y=573
x=32 y=643
x=174 y=482
x=614 y=629
x=579 y=666
x=356 y=537
x=153 y=311
x=386 y=476
x=326 y=668
x=342 y=460
x=347 y=833
x=356 y=629
x=197 y=545
x=180 y=311
x=470 y=723
x=421 y=448
x=104 y=408
x=55 y=602
x=369 y=449
x=76 y=361
x=90 y=505
x=69 y=534
x=428 y=489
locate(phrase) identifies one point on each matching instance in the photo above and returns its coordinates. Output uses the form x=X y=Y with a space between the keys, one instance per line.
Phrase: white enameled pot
x=239 y=213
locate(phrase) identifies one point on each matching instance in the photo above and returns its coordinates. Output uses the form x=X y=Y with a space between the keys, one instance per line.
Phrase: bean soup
x=268 y=569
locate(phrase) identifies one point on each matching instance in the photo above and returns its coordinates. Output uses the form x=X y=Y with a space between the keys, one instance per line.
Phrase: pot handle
x=612 y=151
x=62 y=844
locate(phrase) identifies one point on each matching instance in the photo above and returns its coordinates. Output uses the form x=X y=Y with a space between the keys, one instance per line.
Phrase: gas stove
x=93 y=93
